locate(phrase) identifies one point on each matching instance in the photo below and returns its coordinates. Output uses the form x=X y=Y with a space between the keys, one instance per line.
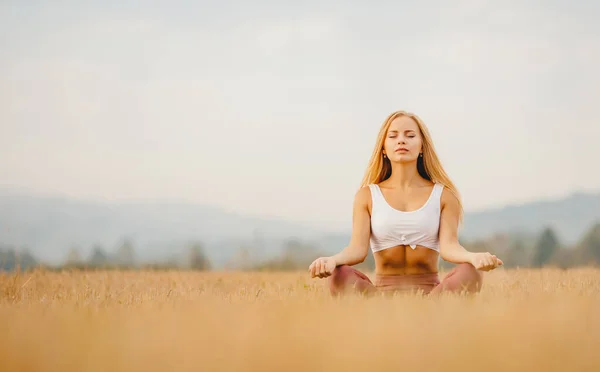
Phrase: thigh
x=462 y=278
x=346 y=277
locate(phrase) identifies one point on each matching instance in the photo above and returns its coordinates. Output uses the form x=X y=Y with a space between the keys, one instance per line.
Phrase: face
x=403 y=141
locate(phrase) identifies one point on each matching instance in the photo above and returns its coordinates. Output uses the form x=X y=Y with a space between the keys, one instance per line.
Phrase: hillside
x=570 y=217
x=48 y=227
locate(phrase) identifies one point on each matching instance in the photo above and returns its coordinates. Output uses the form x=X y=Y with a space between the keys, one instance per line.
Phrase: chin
x=404 y=158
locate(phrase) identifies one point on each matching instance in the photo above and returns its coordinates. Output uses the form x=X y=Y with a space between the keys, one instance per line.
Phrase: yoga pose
x=408 y=212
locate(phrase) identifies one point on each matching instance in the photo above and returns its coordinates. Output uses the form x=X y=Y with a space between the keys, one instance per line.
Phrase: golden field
x=523 y=320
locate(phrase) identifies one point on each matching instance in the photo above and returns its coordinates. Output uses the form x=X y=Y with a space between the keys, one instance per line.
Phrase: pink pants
x=463 y=277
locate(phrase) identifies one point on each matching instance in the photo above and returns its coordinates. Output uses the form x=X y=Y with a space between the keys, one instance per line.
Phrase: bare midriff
x=403 y=260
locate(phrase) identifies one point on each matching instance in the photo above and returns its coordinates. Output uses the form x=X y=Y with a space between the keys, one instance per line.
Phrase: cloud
x=123 y=27
x=290 y=33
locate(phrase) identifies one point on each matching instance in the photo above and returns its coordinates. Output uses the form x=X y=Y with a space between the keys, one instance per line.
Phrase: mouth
x=401 y=150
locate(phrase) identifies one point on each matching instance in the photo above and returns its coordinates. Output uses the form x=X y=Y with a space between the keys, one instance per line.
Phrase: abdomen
x=404 y=260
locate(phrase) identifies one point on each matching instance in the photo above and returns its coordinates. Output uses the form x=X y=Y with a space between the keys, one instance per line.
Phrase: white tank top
x=391 y=227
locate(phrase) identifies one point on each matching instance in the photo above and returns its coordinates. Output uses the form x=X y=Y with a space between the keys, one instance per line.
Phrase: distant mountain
x=570 y=217
x=50 y=226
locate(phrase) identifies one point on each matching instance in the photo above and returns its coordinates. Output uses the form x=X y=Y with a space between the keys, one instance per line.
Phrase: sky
x=272 y=108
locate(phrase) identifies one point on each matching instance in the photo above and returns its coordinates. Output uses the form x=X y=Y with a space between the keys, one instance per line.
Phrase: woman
x=408 y=212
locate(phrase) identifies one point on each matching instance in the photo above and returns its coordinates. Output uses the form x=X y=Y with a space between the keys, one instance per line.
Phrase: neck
x=404 y=175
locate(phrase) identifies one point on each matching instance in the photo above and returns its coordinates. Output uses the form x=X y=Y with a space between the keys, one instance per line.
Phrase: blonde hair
x=429 y=166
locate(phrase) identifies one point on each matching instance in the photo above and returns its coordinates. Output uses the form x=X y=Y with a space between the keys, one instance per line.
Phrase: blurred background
x=233 y=135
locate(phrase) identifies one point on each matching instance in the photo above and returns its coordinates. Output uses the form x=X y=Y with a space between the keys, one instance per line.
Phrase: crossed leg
x=462 y=278
x=347 y=279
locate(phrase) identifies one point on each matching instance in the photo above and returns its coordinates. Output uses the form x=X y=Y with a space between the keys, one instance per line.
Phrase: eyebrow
x=396 y=131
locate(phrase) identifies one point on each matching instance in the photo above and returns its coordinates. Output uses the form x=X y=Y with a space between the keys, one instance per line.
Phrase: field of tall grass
x=546 y=320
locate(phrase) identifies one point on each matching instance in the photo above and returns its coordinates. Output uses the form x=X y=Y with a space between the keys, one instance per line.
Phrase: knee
x=471 y=275
x=338 y=278
x=340 y=274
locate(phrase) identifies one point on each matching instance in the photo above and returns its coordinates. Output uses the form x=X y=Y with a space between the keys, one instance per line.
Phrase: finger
x=500 y=263
x=323 y=270
x=315 y=269
x=328 y=269
x=323 y=273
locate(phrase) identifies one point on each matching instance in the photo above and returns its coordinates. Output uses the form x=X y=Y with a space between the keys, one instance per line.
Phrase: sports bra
x=391 y=227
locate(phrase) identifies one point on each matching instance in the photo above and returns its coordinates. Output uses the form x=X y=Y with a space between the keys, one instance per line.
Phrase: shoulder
x=363 y=195
x=362 y=198
x=448 y=199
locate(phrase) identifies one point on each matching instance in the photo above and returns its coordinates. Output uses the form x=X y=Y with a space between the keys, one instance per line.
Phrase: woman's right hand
x=322 y=267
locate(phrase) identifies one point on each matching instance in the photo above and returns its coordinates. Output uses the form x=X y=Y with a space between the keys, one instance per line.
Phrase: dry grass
x=177 y=321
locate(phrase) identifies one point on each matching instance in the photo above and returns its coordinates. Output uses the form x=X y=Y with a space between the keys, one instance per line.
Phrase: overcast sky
x=273 y=109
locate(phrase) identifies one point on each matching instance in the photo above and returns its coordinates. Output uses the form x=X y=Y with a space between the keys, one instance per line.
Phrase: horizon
x=50 y=228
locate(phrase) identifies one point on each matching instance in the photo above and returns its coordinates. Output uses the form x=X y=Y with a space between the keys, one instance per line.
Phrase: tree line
x=193 y=258
x=517 y=250
x=543 y=249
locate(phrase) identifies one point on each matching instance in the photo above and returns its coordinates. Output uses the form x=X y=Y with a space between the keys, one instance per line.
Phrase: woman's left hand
x=485 y=261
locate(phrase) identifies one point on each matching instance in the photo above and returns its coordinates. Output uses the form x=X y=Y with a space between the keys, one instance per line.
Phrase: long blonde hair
x=429 y=166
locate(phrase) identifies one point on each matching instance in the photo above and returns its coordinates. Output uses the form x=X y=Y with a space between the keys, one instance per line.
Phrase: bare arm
x=450 y=248
x=357 y=250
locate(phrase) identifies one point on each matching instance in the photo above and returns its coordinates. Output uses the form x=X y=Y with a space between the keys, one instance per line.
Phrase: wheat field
x=523 y=320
